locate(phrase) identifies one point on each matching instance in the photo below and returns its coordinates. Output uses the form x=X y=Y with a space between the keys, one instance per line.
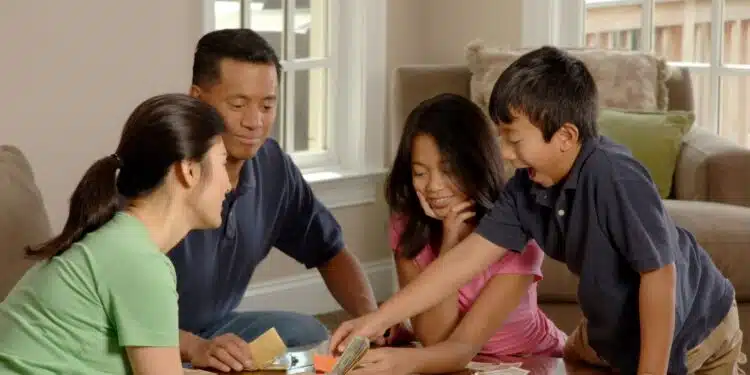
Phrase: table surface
x=535 y=365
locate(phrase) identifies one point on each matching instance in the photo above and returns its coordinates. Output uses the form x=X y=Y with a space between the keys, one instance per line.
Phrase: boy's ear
x=568 y=134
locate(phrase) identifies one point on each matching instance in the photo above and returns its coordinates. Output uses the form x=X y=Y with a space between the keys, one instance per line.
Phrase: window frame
x=572 y=34
x=347 y=173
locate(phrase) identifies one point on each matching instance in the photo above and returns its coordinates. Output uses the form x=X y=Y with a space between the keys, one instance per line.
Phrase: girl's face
x=432 y=176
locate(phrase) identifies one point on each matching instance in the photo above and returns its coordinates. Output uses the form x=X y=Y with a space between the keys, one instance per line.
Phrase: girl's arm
x=148 y=360
x=496 y=301
x=435 y=324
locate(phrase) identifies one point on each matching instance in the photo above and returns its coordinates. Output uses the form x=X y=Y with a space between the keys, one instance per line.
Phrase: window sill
x=337 y=189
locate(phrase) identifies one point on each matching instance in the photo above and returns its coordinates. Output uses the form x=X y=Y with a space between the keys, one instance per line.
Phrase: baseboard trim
x=307 y=293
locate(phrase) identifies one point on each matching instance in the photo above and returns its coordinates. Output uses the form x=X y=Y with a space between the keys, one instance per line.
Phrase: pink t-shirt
x=527 y=329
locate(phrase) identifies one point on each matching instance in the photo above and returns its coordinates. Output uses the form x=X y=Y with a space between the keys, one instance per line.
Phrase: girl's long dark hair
x=467 y=143
x=161 y=131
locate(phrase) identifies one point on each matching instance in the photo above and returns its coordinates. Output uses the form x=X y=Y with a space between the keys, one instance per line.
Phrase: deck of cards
x=480 y=368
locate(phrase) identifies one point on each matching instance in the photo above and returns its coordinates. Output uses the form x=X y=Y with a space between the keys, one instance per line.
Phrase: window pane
x=310 y=28
x=701 y=83
x=227 y=14
x=306 y=123
x=734 y=116
x=267 y=19
x=682 y=30
x=736 y=32
x=613 y=24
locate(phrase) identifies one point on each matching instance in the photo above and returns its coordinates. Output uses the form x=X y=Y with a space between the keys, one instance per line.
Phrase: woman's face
x=213 y=187
x=432 y=176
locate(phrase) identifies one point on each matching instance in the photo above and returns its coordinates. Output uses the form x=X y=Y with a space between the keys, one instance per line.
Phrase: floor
x=333 y=319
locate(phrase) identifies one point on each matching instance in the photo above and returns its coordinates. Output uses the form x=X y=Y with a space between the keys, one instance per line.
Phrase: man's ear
x=195 y=91
x=188 y=173
x=569 y=136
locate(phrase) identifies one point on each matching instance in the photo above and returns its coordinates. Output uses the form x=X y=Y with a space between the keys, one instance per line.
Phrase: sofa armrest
x=712 y=168
x=412 y=84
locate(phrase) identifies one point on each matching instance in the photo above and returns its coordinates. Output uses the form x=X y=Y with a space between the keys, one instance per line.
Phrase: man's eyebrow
x=270 y=97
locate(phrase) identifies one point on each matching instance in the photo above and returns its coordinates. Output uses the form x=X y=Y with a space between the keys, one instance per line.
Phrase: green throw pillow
x=654 y=138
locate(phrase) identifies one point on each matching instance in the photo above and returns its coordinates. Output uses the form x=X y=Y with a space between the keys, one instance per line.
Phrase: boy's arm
x=497 y=300
x=435 y=324
x=644 y=234
x=443 y=276
x=657 y=311
x=498 y=231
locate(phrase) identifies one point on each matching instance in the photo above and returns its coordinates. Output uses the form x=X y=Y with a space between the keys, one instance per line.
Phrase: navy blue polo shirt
x=607 y=223
x=272 y=206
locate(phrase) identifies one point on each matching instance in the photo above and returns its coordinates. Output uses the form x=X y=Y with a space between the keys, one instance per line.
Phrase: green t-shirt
x=76 y=313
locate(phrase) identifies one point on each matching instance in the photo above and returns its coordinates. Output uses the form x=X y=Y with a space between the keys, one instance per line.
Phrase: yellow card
x=266 y=348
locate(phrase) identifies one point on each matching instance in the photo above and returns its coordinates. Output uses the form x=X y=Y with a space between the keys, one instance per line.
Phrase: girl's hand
x=399 y=335
x=426 y=207
x=382 y=361
x=455 y=227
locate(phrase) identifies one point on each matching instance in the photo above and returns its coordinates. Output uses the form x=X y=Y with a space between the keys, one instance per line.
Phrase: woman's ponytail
x=94 y=202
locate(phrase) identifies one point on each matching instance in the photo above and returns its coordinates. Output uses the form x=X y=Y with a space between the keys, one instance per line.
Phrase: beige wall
x=69 y=79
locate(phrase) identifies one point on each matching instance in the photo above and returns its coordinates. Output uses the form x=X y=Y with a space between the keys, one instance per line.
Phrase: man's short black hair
x=237 y=44
x=550 y=87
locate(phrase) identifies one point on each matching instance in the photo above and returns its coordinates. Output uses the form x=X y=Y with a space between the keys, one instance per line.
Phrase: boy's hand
x=364 y=326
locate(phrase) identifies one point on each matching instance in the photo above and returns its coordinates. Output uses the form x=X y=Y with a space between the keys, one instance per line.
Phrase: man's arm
x=657 y=313
x=347 y=282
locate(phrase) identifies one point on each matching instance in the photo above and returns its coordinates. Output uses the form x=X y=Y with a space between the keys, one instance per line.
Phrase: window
x=332 y=91
x=709 y=37
x=299 y=32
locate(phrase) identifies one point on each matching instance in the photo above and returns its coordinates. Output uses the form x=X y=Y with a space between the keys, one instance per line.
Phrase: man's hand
x=225 y=353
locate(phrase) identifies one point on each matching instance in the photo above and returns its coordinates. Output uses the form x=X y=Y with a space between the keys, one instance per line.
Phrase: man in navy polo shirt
x=271 y=205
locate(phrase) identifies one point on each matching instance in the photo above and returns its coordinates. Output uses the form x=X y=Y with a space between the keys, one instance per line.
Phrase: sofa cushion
x=723 y=230
x=24 y=220
x=625 y=79
x=654 y=138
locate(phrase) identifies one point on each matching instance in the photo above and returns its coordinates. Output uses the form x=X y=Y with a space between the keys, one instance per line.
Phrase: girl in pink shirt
x=446 y=175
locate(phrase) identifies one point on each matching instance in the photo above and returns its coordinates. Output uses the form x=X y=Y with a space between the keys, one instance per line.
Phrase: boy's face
x=523 y=145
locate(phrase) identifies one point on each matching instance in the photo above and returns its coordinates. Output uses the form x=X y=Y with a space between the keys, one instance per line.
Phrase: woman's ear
x=188 y=173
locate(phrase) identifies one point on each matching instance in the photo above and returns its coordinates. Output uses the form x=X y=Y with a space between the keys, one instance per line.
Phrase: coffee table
x=300 y=363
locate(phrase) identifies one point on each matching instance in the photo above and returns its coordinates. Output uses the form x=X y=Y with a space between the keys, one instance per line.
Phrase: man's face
x=523 y=145
x=245 y=95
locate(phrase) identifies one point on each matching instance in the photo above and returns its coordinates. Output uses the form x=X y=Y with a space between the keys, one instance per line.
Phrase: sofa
x=23 y=217
x=710 y=194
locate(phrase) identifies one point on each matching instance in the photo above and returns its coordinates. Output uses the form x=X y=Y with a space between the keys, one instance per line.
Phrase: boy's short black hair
x=550 y=87
x=237 y=44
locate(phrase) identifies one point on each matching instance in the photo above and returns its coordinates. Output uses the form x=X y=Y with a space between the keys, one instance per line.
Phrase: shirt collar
x=548 y=196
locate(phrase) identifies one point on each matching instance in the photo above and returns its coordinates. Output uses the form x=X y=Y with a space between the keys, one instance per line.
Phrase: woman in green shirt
x=103 y=298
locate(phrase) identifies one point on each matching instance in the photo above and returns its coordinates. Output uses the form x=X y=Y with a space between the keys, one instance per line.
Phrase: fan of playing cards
x=480 y=368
